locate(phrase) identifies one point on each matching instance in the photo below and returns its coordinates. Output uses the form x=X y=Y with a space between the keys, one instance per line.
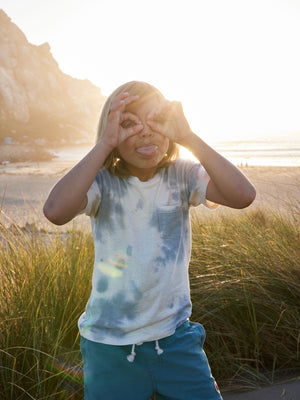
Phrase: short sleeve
x=198 y=180
x=94 y=198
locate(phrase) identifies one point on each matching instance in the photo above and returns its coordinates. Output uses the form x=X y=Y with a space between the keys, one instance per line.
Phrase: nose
x=146 y=131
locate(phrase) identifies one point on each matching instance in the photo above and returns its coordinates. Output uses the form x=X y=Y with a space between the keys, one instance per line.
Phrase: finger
x=130 y=122
x=116 y=105
x=171 y=111
x=114 y=117
x=131 y=117
x=151 y=116
x=155 y=113
x=122 y=96
x=121 y=101
x=134 y=129
x=162 y=110
x=156 y=126
x=130 y=99
x=118 y=100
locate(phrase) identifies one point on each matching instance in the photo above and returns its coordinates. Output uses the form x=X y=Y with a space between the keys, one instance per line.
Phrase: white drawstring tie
x=159 y=351
x=132 y=355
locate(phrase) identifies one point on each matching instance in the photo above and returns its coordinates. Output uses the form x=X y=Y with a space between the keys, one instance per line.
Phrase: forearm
x=228 y=185
x=68 y=196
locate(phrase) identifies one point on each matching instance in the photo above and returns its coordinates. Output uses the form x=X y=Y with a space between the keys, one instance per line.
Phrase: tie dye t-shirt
x=140 y=287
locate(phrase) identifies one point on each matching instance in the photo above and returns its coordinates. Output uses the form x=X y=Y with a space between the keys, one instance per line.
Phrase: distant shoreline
x=240 y=153
x=37 y=152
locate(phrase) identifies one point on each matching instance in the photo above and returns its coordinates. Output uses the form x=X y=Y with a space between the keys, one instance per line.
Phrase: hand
x=120 y=125
x=169 y=120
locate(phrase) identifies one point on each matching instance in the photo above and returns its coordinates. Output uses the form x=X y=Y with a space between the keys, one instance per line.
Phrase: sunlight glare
x=186 y=154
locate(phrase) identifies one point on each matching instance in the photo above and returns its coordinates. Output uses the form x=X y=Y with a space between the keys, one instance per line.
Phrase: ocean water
x=283 y=151
x=262 y=152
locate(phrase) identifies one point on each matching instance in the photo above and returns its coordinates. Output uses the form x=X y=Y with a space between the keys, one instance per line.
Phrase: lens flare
x=114 y=266
x=110 y=269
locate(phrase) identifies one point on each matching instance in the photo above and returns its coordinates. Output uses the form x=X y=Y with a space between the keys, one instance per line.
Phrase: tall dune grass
x=245 y=283
x=44 y=281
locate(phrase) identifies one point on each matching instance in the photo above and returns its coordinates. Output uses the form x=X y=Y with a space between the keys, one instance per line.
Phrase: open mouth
x=147 y=151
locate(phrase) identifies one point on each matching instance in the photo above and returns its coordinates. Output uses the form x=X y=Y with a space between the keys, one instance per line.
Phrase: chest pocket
x=170 y=221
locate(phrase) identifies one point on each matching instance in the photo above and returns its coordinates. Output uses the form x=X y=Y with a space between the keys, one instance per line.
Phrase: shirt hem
x=130 y=343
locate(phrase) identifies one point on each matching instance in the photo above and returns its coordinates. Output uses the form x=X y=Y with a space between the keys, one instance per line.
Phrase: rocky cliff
x=38 y=100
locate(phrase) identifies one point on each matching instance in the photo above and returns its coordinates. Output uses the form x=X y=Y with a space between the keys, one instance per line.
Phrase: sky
x=234 y=64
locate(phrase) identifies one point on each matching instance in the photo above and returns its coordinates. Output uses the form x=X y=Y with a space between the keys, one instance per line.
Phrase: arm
x=69 y=196
x=227 y=186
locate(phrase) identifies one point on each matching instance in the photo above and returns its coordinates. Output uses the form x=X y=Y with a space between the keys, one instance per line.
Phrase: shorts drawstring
x=132 y=355
x=159 y=351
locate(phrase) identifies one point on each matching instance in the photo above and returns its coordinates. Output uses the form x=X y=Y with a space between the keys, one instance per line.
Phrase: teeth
x=147 y=150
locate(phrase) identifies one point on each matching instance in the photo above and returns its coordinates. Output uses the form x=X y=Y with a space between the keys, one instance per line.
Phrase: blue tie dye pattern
x=140 y=288
x=140 y=204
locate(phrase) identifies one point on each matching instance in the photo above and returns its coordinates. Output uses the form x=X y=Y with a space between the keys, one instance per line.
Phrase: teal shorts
x=173 y=368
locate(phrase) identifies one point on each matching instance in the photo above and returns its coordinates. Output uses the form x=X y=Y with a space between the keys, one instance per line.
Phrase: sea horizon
x=280 y=151
x=260 y=151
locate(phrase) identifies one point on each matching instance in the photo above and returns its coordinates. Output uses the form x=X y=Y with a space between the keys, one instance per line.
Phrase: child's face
x=144 y=151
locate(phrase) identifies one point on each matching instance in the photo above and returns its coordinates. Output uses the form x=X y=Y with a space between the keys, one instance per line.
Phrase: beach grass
x=45 y=282
x=245 y=285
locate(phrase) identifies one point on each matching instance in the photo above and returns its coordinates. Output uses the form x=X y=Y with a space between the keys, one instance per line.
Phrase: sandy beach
x=25 y=186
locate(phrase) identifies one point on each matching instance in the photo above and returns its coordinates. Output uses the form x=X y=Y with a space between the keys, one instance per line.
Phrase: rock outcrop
x=38 y=100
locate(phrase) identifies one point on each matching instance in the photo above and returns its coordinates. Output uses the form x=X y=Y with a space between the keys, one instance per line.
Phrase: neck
x=143 y=175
